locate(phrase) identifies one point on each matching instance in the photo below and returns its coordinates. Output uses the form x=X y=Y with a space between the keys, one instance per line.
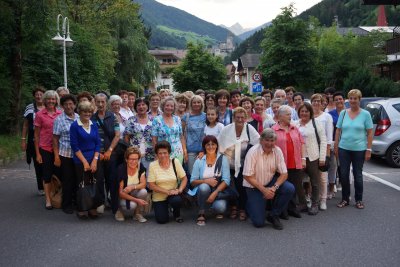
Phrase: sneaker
x=119 y=216
x=322 y=205
x=140 y=218
x=308 y=199
x=276 y=223
x=100 y=209
x=40 y=192
x=335 y=189
x=313 y=210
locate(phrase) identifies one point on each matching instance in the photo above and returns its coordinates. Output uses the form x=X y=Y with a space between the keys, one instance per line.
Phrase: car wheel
x=393 y=155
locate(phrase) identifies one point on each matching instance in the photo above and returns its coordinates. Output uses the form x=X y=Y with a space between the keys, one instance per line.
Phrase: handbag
x=324 y=168
x=55 y=192
x=86 y=196
x=229 y=193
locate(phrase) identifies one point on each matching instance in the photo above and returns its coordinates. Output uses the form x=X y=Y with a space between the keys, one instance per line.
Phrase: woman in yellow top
x=167 y=179
x=132 y=186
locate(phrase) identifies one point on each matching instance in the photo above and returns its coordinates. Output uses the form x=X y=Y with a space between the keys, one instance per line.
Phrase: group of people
x=232 y=154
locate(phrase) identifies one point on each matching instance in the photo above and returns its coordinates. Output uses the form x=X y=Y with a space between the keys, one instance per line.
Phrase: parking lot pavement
x=379 y=168
x=31 y=235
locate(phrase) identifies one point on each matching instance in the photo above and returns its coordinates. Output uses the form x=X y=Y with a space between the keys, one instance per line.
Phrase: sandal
x=219 y=216
x=201 y=220
x=234 y=213
x=342 y=204
x=242 y=215
x=359 y=205
x=179 y=219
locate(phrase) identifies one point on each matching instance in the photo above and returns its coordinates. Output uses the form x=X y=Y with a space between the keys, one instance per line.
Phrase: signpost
x=256 y=86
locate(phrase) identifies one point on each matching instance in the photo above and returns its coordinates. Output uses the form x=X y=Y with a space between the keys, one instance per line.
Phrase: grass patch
x=189 y=36
x=10 y=146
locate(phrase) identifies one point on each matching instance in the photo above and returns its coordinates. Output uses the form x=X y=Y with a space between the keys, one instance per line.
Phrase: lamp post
x=64 y=41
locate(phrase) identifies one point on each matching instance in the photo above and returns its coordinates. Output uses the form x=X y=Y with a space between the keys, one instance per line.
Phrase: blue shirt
x=87 y=143
x=61 y=127
x=199 y=167
x=354 y=132
x=194 y=131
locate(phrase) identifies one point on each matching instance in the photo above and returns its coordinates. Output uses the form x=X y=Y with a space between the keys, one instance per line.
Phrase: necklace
x=210 y=161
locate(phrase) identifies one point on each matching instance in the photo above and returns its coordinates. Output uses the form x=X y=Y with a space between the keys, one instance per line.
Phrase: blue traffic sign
x=256 y=87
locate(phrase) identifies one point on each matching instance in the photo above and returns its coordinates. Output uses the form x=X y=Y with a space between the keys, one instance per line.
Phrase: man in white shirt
x=280 y=94
x=125 y=111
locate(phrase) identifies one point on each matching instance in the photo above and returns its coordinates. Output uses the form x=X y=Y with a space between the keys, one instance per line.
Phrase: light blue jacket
x=199 y=167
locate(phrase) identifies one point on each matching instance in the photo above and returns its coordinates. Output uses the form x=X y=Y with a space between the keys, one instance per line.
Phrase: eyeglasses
x=135 y=159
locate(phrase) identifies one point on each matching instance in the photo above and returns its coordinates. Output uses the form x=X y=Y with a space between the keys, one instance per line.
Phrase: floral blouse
x=171 y=134
x=137 y=134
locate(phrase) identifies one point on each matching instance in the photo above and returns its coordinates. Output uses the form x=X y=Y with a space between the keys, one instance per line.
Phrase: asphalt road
x=33 y=236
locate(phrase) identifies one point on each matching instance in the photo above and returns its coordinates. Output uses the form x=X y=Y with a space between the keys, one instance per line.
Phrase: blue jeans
x=204 y=191
x=355 y=158
x=256 y=202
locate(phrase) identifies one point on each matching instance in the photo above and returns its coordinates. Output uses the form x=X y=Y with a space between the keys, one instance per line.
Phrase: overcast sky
x=249 y=13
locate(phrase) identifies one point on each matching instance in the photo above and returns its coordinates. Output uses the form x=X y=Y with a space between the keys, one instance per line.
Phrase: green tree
x=288 y=54
x=199 y=69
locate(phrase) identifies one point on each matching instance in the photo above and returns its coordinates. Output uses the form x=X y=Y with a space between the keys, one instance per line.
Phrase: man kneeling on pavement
x=265 y=177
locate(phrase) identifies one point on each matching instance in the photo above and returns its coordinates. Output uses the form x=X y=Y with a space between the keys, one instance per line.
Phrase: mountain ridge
x=155 y=14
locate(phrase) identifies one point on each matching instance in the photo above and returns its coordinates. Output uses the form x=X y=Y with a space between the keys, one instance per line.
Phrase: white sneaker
x=140 y=218
x=322 y=205
x=40 y=192
x=308 y=199
x=119 y=216
x=100 y=209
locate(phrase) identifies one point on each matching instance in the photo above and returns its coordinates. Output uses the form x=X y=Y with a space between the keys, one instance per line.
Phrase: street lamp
x=64 y=41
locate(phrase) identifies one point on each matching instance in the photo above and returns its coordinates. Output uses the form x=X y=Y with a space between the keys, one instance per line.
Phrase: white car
x=386 y=118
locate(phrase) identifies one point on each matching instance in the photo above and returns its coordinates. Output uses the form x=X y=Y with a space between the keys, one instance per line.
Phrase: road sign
x=257 y=76
x=256 y=87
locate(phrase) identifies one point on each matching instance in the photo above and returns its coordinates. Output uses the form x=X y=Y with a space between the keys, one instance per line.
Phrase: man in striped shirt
x=265 y=177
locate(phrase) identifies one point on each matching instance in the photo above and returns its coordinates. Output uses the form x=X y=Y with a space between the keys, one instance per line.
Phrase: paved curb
x=7 y=160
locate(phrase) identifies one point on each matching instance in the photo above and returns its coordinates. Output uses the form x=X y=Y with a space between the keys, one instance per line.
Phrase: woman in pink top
x=43 y=135
x=290 y=141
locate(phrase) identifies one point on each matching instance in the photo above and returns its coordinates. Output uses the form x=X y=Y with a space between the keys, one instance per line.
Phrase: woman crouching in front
x=132 y=186
x=167 y=179
x=211 y=177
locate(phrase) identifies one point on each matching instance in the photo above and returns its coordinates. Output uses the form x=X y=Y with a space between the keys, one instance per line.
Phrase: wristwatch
x=276 y=186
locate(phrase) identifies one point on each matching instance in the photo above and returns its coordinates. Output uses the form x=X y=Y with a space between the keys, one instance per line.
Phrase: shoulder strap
x=173 y=166
x=344 y=114
x=316 y=132
x=247 y=131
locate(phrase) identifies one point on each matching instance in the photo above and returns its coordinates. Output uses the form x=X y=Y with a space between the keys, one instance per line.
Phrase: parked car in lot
x=386 y=118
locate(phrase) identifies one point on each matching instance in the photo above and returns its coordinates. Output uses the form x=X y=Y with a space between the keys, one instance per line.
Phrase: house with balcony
x=246 y=67
x=168 y=60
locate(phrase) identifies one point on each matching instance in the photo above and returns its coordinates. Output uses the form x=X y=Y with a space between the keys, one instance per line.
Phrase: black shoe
x=68 y=210
x=294 y=213
x=276 y=223
x=284 y=215
x=50 y=207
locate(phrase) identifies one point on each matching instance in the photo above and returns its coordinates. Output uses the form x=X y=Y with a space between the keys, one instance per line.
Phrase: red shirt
x=291 y=164
x=45 y=122
x=297 y=141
